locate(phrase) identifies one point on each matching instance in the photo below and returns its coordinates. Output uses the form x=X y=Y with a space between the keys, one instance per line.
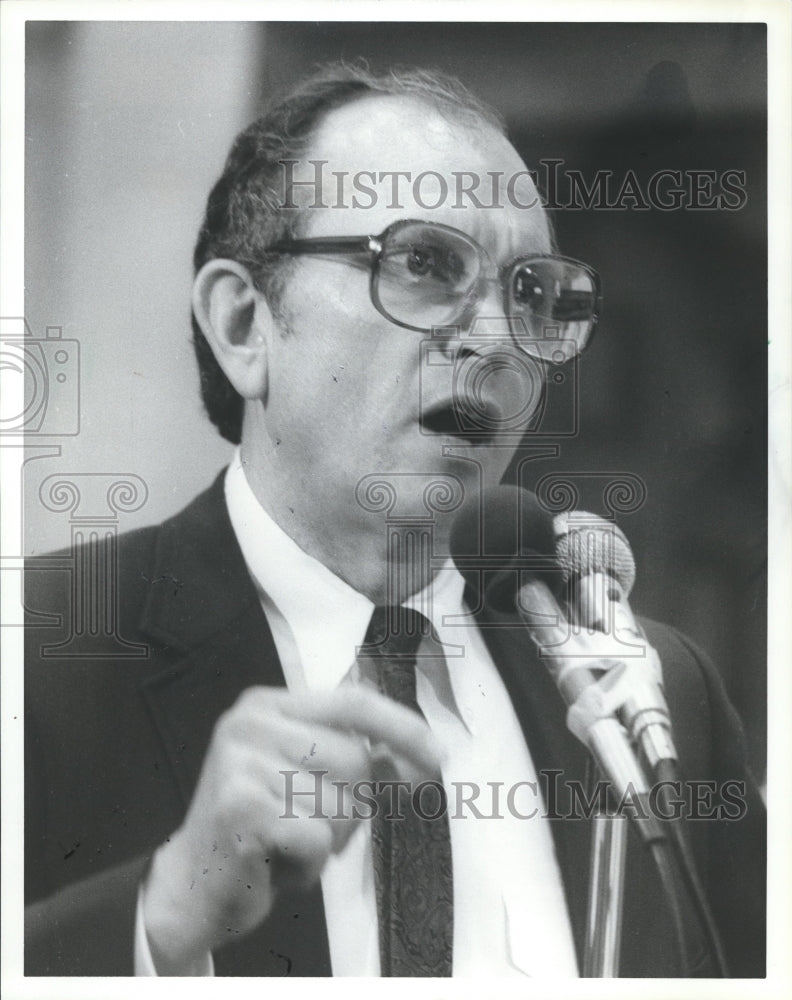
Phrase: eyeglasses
x=425 y=276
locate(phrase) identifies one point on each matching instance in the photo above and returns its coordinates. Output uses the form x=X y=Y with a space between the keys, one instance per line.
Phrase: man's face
x=350 y=394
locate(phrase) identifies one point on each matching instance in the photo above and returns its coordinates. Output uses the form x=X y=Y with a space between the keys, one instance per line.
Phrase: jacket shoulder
x=122 y=567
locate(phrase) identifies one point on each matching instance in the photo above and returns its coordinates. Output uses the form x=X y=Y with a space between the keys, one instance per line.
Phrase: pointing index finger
x=369 y=713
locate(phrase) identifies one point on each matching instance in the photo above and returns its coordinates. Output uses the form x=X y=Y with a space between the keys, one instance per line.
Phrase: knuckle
x=236 y=800
x=251 y=697
x=226 y=725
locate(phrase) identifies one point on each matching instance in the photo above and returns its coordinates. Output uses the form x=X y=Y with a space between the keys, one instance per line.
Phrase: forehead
x=387 y=158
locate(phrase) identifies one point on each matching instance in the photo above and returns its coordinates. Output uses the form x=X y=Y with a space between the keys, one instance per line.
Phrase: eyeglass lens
x=427 y=276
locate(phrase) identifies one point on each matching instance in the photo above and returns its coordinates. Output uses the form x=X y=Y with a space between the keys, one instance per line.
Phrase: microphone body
x=597 y=563
x=523 y=544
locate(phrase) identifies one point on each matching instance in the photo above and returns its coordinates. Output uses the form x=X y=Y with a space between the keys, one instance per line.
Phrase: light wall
x=127 y=127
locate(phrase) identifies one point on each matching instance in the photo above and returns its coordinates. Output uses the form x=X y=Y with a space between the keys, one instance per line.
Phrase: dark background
x=128 y=124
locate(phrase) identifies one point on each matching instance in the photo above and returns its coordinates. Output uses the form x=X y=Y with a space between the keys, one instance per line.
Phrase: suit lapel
x=204 y=610
x=203 y=607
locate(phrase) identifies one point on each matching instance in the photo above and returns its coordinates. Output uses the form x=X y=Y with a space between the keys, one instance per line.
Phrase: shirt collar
x=322 y=611
x=326 y=619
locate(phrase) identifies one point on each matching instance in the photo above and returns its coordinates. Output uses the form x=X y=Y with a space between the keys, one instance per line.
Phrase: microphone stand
x=593 y=702
x=607 y=742
x=602 y=947
x=600 y=607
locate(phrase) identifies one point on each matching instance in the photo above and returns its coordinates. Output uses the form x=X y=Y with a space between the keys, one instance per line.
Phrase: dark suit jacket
x=114 y=747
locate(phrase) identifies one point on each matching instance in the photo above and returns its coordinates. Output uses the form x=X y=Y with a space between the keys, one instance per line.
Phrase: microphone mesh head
x=587 y=543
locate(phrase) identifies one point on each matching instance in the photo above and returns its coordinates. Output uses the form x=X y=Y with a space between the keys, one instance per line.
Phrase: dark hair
x=244 y=213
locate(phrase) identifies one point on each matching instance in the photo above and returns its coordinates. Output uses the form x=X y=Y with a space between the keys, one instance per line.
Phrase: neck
x=385 y=562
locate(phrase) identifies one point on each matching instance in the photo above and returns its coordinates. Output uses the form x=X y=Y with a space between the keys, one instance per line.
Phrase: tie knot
x=392 y=640
x=395 y=632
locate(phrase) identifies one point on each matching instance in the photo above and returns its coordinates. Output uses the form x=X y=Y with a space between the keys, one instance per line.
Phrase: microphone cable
x=686 y=865
x=663 y=859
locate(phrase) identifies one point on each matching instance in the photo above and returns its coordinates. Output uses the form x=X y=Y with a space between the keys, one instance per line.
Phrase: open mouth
x=453 y=421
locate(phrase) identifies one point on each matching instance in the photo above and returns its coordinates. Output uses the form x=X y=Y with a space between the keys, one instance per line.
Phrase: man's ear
x=237 y=323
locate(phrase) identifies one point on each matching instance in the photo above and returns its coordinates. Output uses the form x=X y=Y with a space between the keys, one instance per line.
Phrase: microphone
x=598 y=566
x=504 y=547
x=589 y=548
x=513 y=556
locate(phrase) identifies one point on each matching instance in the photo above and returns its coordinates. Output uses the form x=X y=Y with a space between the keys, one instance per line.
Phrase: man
x=366 y=342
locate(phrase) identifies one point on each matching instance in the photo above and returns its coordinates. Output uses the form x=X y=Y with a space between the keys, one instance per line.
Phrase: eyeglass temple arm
x=327 y=244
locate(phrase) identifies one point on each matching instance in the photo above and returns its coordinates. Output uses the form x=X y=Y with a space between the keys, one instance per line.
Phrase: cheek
x=328 y=294
x=337 y=335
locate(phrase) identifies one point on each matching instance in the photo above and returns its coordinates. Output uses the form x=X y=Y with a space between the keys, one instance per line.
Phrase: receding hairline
x=329 y=138
x=474 y=123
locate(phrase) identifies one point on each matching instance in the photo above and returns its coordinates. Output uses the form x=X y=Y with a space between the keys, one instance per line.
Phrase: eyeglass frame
x=374 y=245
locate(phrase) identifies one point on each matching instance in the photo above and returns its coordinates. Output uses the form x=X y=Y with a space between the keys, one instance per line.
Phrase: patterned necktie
x=412 y=855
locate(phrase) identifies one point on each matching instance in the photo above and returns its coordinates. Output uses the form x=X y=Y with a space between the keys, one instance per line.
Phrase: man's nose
x=485 y=324
x=481 y=326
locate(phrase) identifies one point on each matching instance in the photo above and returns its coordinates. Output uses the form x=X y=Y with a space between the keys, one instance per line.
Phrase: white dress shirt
x=510 y=915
